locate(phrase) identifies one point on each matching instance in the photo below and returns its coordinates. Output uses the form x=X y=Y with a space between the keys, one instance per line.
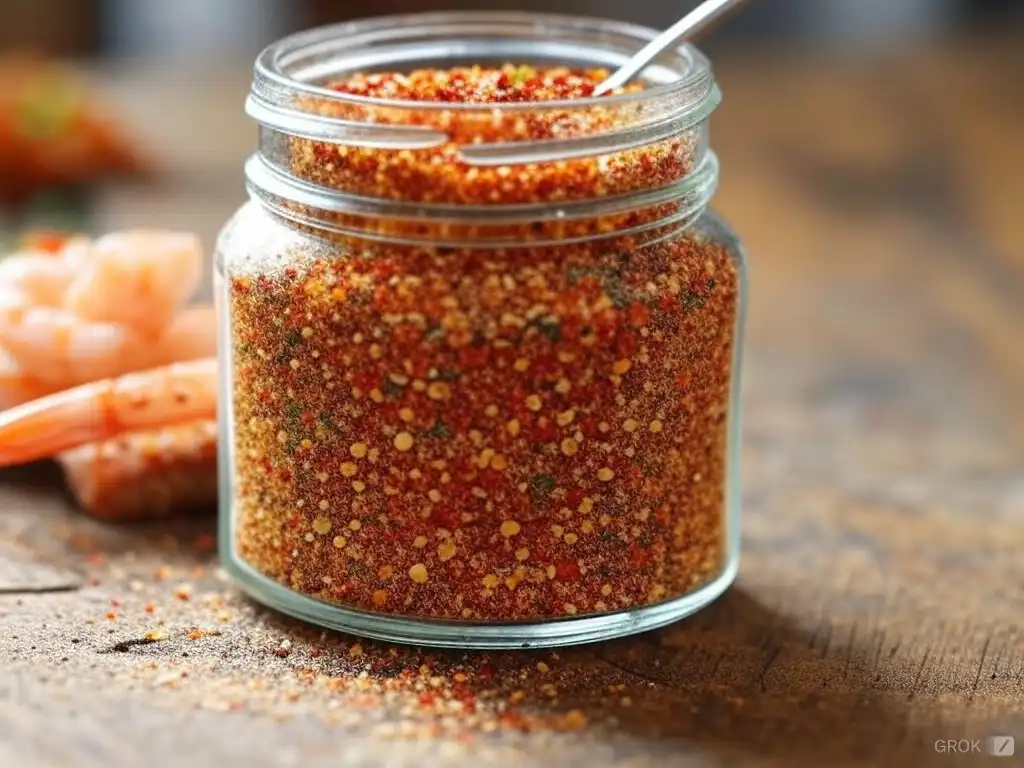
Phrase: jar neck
x=423 y=170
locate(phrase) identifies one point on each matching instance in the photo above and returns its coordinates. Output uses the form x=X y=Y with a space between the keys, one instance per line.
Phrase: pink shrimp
x=138 y=279
x=105 y=409
x=95 y=309
x=192 y=334
x=143 y=475
x=16 y=387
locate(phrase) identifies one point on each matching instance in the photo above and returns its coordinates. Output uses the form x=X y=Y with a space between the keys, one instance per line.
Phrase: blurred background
x=164 y=84
x=227 y=28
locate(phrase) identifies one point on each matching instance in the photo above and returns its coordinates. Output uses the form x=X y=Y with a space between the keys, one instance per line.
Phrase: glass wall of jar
x=481 y=336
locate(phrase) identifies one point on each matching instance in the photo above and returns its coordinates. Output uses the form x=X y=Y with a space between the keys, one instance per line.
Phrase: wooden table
x=879 y=606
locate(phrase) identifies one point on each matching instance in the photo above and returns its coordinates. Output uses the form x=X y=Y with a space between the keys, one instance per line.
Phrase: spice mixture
x=437 y=174
x=486 y=433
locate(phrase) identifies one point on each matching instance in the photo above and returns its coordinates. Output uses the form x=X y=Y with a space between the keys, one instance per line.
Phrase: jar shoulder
x=253 y=233
x=713 y=225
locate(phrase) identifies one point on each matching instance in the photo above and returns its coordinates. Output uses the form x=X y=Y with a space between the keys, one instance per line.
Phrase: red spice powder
x=482 y=433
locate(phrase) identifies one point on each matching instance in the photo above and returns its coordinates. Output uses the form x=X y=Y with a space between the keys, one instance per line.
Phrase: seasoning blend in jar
x=481 y=335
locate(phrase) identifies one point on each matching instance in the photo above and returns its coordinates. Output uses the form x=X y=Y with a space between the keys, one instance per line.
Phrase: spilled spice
x=480 y=433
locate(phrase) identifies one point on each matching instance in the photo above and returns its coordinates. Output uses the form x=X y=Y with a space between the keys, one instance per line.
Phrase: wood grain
x=880 y=599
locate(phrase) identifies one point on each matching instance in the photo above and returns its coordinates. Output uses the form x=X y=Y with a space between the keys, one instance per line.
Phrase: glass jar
x=481 y=361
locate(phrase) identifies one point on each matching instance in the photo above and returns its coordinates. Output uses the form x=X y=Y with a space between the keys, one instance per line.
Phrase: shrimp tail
x=46 y=426
x=105 y=409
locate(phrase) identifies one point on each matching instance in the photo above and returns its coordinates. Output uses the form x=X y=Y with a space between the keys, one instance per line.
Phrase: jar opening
x=306 y=61
x=340 y=152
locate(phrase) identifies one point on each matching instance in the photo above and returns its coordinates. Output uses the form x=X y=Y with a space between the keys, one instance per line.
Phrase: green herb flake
x=440 y=430
x=294 y=338
x=574 y=274
x=391 y=389
x=449 y=375
x=551 y=329
x=434 y=333
x=618 y=294
x=693 y=301
x=292 y=410
x=542 y=483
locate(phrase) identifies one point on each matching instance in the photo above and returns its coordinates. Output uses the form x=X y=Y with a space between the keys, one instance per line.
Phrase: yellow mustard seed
x=446 y=550
x=418 y=573
x=439 y=390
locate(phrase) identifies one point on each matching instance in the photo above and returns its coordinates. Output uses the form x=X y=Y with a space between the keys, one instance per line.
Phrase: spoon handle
x=693 y=22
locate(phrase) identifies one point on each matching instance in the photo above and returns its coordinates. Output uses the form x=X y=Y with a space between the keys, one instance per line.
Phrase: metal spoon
x=693 y=22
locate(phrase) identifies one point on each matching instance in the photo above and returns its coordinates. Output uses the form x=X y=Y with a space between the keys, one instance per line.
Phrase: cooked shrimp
x=102 y=410
x=146 y=474
x=28 y=280
x=58 y=349
x=92 y=310
x=138 y=279
x=16 y=387
x=191 y=335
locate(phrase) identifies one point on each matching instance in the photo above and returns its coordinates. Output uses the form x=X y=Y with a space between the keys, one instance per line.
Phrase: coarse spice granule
x=486 y=433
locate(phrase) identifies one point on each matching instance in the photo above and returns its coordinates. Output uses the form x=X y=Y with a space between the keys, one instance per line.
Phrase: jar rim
x=301 y=122
x=272 y=62
x=295 y=68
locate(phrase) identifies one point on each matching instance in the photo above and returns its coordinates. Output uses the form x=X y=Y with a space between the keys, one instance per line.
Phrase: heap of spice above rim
x=484 y=336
